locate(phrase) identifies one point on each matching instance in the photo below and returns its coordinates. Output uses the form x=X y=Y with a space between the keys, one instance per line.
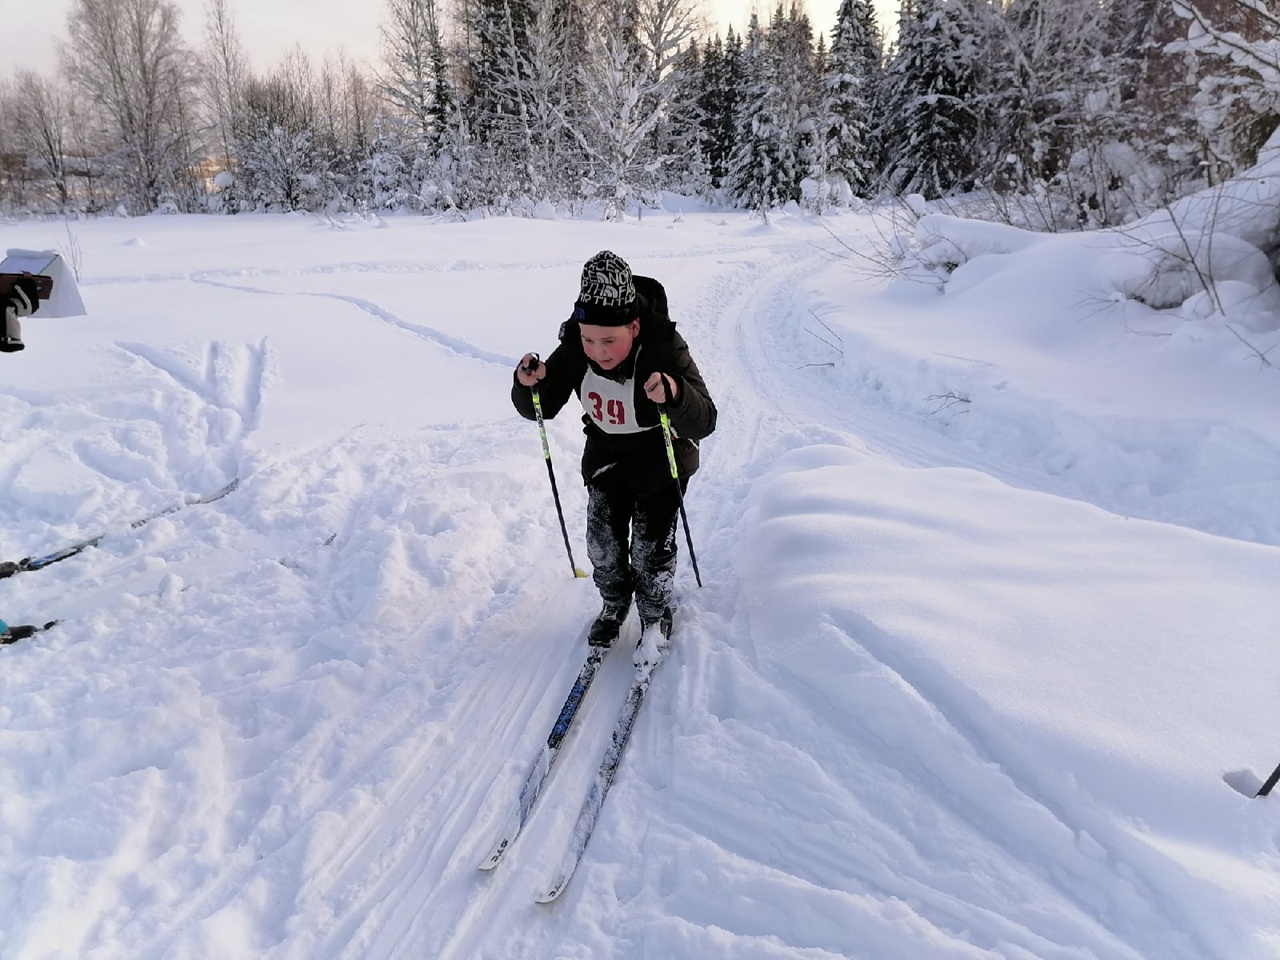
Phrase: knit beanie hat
x=608 y=294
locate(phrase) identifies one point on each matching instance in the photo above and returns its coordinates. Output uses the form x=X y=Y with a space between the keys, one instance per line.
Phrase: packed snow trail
x=287 y=726
x=753 y=419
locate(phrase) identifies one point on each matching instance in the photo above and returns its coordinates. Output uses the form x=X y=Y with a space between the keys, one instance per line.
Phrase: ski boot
x=653 y=639
x=664 y=623
x=606 y=626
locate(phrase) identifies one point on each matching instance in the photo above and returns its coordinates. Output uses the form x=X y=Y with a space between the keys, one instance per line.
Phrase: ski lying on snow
x=8 y=568
x=590 y=811
x=546 y=758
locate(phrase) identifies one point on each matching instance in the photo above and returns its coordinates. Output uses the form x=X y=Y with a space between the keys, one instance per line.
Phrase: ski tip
x=562 y=880
x=494 y=858
x=553 y=894
x=579 y=574
x=196 y=499
x=221 y=492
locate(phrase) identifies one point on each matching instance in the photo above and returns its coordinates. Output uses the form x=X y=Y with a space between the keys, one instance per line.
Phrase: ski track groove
x=503 y=899
x=360 y=891
x=406 y=877
x=226 y=385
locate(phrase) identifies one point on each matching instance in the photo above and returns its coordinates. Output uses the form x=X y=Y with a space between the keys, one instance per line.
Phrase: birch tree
x=415 y=78
x=40 y=125
x=279 y=164
x=128 y=59
x=223 y=77
x=622 y=103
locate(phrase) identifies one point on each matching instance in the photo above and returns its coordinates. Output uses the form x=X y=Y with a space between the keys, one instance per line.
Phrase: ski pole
x=1271 y=782
x=675 y=475
x=551 y=473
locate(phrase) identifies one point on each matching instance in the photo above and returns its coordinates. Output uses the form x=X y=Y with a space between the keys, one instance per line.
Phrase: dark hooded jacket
x=637 y=459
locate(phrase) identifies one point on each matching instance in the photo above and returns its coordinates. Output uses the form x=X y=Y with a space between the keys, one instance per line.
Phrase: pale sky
x=269 y=28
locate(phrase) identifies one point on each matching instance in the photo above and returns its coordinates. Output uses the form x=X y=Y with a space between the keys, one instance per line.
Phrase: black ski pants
x=631 y=543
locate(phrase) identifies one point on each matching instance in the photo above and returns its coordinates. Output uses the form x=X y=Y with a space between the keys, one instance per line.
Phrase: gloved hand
x=20 y=302
x=530 y=370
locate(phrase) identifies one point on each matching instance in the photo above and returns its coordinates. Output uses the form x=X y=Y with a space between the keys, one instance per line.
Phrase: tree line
x=1067 y=112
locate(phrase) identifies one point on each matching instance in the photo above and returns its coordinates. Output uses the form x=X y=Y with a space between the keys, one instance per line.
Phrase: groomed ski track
x=359 y=740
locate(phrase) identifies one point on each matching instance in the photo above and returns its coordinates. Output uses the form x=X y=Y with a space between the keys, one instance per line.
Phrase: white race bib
x=610 y=404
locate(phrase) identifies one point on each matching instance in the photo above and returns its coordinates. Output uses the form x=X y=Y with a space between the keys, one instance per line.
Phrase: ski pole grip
x=666 y=395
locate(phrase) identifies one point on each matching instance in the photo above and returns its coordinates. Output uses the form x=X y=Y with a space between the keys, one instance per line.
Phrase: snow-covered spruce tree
x=1045 y=98
x=459 y=173
x=929 y=123
x=520 y=63
x=721 y=88
x=387 y=168
x=495 y=41
x=687 y=170
x=853 y=73
x=128 y=59
x=777 y=127
x=749 y=179
x=800 y=146
x=416 y=85
x=1030 y=93
x=818 y=189
x=707 y=86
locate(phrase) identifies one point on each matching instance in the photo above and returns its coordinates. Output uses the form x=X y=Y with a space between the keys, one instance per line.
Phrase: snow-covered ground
x=984 y=665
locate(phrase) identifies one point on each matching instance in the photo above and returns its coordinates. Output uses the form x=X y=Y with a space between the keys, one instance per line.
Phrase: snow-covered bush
x=1208 y=256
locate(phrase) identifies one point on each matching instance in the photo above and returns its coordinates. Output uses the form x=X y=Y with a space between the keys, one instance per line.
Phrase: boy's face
x=608 y=346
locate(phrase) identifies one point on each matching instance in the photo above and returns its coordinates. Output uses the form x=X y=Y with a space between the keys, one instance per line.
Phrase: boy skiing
x=620 y=353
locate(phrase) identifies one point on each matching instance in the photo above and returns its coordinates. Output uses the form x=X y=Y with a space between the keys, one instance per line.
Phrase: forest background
x=1059 y=114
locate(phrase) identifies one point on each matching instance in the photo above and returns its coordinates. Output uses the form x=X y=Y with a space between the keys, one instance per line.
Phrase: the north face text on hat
x=606 y=281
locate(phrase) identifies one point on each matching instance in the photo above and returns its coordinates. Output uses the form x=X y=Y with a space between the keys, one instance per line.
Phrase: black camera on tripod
x=20 y=296
x=32 y=280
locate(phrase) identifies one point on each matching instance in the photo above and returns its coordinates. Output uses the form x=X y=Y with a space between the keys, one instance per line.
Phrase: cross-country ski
x=12 y=633
x=585 y=824
x=544 y=761
x=9 y=568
